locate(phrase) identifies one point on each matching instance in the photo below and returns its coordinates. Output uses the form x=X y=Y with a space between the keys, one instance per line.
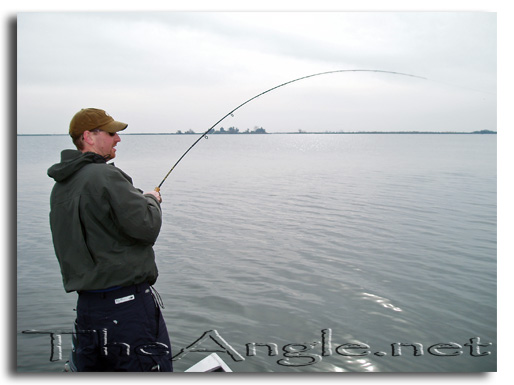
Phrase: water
x=305 y=242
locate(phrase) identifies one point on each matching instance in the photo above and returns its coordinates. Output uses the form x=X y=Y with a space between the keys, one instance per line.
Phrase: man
x=103 y=231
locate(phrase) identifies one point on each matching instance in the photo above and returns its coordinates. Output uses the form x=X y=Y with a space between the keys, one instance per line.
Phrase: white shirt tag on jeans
x=124 y=299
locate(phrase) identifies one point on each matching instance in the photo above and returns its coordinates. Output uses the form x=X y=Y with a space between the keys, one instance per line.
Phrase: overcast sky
x=169 y=71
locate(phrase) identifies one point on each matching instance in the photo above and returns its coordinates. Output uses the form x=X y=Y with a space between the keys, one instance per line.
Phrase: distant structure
x=230 y=131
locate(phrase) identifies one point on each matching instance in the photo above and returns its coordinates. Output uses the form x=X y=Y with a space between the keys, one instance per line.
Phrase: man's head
x=94 y=130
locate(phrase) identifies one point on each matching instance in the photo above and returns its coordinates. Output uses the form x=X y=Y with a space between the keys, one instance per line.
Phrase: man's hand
x=155 y=194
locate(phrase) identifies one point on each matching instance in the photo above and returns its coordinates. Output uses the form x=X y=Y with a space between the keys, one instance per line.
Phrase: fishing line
x=204 y=135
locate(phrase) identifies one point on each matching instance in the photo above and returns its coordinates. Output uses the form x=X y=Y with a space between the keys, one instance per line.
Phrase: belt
x=102 y=290
x=115 y=291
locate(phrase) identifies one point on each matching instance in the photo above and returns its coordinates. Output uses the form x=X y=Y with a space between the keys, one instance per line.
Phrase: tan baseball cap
x=89 y=119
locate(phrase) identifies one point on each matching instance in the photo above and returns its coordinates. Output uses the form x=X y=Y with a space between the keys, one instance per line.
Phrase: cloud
x=190 y=68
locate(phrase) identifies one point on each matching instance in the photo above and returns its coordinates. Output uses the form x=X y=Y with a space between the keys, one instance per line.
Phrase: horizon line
x=293 y=133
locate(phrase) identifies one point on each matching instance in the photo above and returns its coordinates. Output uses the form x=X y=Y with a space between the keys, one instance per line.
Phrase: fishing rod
x=265 y=92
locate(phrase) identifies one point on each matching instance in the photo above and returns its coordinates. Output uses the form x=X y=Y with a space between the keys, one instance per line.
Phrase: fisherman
x=103 y=230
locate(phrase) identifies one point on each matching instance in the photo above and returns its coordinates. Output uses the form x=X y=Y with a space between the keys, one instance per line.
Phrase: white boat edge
x=211 y=363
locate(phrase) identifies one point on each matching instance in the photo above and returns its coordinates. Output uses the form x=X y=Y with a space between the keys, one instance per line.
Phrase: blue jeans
x=121 y=330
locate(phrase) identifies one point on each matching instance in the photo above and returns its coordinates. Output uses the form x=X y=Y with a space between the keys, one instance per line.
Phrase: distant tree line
x=229 y=131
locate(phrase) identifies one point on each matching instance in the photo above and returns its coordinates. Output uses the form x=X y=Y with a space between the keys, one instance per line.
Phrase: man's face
x=104 y=143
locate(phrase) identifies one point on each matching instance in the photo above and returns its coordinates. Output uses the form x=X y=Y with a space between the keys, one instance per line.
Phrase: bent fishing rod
x=204 y=135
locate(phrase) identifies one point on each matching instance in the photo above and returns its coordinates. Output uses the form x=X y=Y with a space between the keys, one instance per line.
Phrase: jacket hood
x=71 y=162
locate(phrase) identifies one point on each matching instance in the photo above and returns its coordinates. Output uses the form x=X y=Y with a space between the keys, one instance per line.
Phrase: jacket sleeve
x=137 y=215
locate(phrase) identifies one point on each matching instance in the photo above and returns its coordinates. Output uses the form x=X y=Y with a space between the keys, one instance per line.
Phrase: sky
x=161 y=72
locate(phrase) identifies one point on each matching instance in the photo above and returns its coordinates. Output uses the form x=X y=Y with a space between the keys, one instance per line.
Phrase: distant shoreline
x=483 y=132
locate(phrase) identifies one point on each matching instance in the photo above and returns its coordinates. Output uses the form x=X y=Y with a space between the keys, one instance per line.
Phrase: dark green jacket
x=103 y=228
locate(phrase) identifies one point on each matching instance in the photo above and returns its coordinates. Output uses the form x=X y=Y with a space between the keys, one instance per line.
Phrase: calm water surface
x=301 y=242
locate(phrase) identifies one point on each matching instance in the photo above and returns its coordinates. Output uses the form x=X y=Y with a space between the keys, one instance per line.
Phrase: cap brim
x=114 y=126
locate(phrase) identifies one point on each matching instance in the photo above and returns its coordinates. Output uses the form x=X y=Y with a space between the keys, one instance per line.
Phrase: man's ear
x=88 y=137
